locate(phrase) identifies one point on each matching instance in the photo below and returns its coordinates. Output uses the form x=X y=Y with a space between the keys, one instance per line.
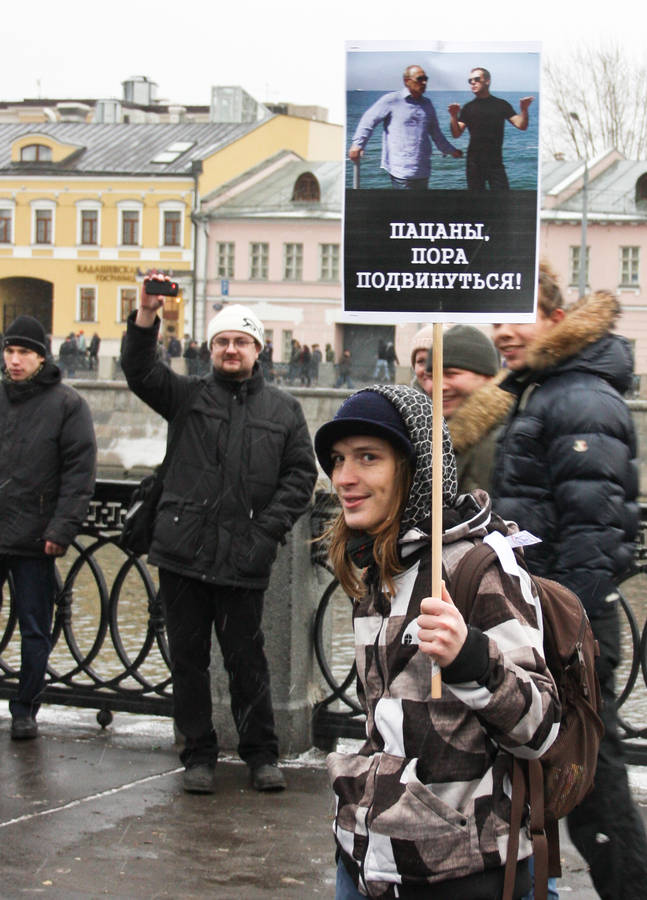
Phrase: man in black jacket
x=47 y=470
x=242 y=473
x=566 y=470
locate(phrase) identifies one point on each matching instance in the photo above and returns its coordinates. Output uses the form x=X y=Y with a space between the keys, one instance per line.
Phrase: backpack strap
x=527 y=775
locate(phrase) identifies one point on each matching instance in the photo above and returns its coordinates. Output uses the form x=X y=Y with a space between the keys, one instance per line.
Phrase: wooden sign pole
x=437 y=486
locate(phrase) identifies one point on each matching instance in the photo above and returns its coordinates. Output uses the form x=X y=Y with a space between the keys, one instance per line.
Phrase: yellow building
x=86 y=209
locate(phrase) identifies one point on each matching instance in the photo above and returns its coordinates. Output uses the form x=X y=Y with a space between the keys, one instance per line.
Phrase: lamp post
x=585 y=202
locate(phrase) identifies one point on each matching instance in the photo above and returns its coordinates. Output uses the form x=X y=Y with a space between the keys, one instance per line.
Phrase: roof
x=122 y=149
x=611 y=190
x=272 y=195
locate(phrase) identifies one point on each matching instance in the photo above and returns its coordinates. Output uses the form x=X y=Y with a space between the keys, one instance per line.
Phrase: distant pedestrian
x=381 y=371
x=305 y=361
x=316 y=362
x=266 y=360
x=174 y=348
x=344 y=370
x=330 y=354
x=67 y=356
x=47 y=469
x=294 y=361
x=391 y=360
x=93 y=351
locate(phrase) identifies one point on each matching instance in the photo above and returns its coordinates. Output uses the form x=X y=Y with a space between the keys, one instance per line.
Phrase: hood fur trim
x=585 y=323
x=483 y=410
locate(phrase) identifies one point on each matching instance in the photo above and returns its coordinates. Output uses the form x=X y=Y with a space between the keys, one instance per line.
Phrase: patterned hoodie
x=426 y=799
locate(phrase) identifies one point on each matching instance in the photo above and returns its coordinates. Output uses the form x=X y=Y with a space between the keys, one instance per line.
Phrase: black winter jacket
x=47 y=463
x=566 y=466
x=241 y=473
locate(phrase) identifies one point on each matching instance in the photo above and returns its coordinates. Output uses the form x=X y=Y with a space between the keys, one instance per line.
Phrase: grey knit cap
x=466 y=347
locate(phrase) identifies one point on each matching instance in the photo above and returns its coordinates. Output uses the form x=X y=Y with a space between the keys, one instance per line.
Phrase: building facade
x=86 y=210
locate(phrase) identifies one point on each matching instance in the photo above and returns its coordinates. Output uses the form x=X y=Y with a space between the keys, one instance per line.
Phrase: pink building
x=273 y=242
x=616 y=235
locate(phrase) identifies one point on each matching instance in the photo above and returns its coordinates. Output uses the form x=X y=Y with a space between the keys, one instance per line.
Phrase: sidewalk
x=86 y=813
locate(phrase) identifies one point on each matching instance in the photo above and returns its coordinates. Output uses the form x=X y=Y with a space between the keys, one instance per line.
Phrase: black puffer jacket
x=242 y=472
x=47 y=463
x=566 y=466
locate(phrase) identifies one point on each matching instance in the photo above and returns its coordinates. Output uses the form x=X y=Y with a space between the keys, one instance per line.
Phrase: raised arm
x=520 y=120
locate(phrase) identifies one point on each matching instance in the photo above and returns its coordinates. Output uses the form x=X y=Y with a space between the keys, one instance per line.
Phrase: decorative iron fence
x=109 y=644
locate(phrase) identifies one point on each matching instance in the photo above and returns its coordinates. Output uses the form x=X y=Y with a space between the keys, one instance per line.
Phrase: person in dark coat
x=47 y=471
x=566 y=470
x=68 y=355
x=242 y=473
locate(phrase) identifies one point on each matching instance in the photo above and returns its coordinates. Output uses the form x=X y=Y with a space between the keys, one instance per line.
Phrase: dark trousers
x=481 y=172
x=34 y=593
x=192 y=610
x=606 y=827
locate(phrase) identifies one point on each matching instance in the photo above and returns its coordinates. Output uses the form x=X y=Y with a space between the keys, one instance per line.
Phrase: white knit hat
x=236 y=318
x=422 y=340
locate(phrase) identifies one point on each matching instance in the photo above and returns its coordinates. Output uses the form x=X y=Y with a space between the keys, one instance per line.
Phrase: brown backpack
x=560 y=779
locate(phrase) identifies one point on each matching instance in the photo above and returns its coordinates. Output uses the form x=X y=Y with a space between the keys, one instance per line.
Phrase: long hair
x=385 y=547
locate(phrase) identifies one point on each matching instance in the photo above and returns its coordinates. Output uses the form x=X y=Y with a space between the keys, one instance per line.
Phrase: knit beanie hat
x=422 y=340
x=365 y=412
x=25 y=331
x=466 y=347
x=236 y=318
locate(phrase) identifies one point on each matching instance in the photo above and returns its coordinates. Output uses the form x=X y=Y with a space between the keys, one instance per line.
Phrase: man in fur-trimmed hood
x=566 y=470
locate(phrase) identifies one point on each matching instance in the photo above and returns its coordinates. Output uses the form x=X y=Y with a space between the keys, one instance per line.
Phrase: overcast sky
x=283 y=50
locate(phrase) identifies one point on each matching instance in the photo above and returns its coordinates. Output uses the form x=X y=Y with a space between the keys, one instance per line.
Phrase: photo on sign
x=441 y=193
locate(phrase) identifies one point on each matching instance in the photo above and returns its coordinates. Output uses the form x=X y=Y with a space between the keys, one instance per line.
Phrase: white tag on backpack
x=523 y=539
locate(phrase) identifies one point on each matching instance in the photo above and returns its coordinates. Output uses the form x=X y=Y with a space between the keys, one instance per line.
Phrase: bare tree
x=607 y=90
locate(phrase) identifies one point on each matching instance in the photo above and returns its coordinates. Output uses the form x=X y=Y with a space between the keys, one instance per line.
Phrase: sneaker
x=23 y=728
x=267 y=777
x=199 y=779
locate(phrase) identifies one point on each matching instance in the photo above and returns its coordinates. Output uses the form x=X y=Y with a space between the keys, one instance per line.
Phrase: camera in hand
x=156 y=286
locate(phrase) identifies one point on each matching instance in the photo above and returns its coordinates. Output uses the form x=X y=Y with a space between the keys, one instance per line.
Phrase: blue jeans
x=552 y=884
x=409 y=184
x=344 y=888
x=35 y=590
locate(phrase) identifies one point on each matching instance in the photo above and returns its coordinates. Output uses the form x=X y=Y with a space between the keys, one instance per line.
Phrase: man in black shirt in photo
x=485 y=117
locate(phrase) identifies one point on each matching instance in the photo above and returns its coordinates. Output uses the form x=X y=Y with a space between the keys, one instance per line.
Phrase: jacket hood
x=484 y=409
x=582 y=341
x=416 y=410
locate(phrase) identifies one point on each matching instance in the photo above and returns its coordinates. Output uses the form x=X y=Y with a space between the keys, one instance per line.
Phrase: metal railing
x=86 y=678
x=137 y=678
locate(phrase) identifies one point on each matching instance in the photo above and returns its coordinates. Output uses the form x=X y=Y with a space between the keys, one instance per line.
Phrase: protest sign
x=441 y=224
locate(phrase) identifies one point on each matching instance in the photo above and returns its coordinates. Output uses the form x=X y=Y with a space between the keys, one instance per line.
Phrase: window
x=306 y=189
x=329 y=262
x=629 y=266
x=258 y=261
x=44 y=218
x=172 y=228
x=6 y=224
x=225 y=261
x=127 y=302
x=292 y=262
x=89 y=226
x=130 y=227
x=574 y=264
x=36 y=153
x=87 y=311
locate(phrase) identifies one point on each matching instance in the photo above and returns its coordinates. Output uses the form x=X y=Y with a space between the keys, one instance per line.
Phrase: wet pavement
x=86 y=813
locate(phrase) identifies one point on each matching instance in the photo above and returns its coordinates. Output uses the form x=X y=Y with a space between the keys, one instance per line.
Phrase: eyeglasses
x=474 y=80
x=421 y=79
x=239 y=343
